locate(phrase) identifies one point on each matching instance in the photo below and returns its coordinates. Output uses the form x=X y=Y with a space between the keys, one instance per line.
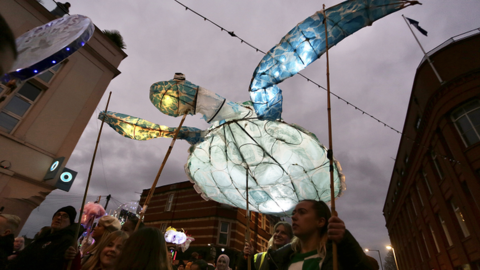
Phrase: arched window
x=467 y=121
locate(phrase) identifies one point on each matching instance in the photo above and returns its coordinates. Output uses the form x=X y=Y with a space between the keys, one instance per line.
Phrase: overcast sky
x=373 y=69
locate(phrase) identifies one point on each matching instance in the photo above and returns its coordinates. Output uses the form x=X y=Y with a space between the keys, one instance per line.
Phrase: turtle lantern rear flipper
x=142 y=130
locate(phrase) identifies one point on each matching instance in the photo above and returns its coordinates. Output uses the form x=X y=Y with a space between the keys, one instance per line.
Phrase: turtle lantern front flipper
x=179 y=96
x=142 y=130
x=306 y=42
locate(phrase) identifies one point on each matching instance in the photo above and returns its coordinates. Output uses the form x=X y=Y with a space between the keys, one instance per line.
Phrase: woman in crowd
x=283 y=234
x=316 y=229
x=145 y=249
x=106 y=225
x=108 y=252
x=223 y=262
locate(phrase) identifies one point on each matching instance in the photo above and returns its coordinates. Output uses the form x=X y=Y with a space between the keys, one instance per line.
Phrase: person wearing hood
x=48 y=249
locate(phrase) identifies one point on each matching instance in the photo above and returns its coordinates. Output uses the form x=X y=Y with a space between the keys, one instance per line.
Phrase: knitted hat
x=70 y=210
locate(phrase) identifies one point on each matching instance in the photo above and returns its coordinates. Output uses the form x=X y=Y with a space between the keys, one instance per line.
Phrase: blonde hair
x=95 y=259
x=111 y=224
x=288 y=229
x=322 y=211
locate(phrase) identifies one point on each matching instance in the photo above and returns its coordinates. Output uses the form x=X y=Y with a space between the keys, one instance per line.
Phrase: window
x=419 y=249
x=223 y=233
x=426 y=182
x=263 y=245
x=437 y=165
x=48 y=75
x=461 y=220
x=17 y=106
x=445 y=230
x=418 y=122
x=18 y=99
x=268 y=229
x=467 y=122
x=168 y=205
x=408 y=213
x=425 y=244
x=419 y=196
x=413 y=205
x=434 y=239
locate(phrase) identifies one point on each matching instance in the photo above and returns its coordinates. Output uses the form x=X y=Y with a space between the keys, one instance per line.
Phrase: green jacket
x=350 y=256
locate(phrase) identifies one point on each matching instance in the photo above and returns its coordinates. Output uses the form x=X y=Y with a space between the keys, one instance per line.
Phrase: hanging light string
x=232 y=34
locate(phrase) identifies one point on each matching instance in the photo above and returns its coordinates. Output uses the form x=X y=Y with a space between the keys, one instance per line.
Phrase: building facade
x=432 y=209
x=42 y=119
x=217 y=228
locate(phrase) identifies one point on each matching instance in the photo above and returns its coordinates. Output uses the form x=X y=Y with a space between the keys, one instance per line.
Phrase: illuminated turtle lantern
x=283 y=163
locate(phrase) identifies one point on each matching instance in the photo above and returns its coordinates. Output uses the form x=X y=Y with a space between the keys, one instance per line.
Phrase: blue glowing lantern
x=305 y=43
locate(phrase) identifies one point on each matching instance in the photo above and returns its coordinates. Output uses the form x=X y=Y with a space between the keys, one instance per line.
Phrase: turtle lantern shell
x=284 y=162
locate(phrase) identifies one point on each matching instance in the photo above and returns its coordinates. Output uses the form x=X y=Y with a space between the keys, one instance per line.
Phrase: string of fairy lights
x=243 y=41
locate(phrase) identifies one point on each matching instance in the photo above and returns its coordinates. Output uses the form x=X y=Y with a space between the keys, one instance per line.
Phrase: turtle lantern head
x=175 y=97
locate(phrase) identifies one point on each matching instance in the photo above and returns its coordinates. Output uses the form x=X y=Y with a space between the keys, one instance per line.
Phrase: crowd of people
x=306 y=244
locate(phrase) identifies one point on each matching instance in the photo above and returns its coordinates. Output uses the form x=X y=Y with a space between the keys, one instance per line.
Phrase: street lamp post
x=394 y=256
x=381 y=264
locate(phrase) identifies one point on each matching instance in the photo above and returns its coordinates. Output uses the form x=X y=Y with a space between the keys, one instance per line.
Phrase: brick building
x=432 y=209
x=214 y=226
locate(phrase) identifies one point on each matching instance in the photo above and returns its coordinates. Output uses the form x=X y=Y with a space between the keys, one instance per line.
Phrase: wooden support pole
x=330 y=142
x=75 y=238
x=152 y=190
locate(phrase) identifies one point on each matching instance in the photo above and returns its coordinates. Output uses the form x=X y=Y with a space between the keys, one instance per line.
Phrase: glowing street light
x=367 y=250
x=389 y=247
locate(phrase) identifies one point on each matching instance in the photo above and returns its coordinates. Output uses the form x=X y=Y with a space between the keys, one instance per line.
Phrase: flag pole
x=152 y=190
x=330 y=142
x=426 y=55
x=75 y=238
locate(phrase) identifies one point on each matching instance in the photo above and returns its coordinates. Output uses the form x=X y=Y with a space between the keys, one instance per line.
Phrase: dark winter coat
x=47 y=252
x=6 y=249
x=350 y=256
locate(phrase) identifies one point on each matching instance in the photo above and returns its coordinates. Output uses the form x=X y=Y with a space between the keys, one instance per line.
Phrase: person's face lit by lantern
x=222 y=264
x=19 y=243
x=280 y=237
x=305 y=222
x=98 y=231
x=110 y=254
